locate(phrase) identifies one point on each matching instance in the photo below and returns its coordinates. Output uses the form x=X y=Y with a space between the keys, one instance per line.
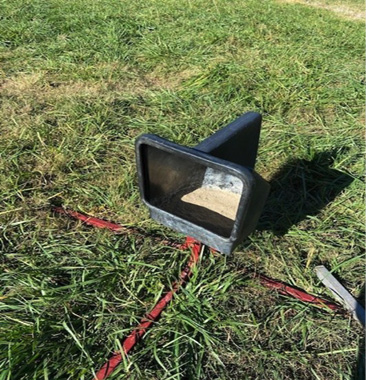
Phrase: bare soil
x=221 y=201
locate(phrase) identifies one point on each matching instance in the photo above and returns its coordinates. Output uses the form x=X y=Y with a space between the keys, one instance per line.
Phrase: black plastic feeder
x=210 y=192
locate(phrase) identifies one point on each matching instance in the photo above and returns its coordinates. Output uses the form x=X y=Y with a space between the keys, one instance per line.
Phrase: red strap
x=96 y=222
x=296 y=293
x=146 y=322
x=117 y=228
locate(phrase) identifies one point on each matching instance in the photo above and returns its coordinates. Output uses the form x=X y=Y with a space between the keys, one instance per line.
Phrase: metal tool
x=341 y=293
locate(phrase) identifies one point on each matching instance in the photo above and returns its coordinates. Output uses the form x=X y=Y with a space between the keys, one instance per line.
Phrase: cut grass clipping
x=79 y=81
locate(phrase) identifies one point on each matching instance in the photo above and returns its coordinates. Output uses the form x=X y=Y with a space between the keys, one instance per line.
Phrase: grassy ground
x=79 y=81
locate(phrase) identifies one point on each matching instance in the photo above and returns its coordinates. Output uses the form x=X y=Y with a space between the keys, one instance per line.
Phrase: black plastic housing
x=167 y=172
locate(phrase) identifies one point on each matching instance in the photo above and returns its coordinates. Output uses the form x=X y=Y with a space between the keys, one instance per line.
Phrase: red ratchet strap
x=91 y=221
x=146 y=322
x=150 y=318
x=296 y=293
x=154 y=314
x=117 y=228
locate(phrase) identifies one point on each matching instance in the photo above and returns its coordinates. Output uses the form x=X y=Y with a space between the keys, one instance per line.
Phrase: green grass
x=80 y=81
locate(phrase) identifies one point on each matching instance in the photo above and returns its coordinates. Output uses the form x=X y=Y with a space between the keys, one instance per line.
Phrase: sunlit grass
x=79 y=82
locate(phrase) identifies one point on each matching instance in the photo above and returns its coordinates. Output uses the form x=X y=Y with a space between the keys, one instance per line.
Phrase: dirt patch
x=20 y=84
x=39 y=87
x=210 y=208
x=345 y=11
x=220 y=201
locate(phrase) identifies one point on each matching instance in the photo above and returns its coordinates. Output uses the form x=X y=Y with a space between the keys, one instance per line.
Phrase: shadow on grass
x=302 y=188
x=299 y=189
